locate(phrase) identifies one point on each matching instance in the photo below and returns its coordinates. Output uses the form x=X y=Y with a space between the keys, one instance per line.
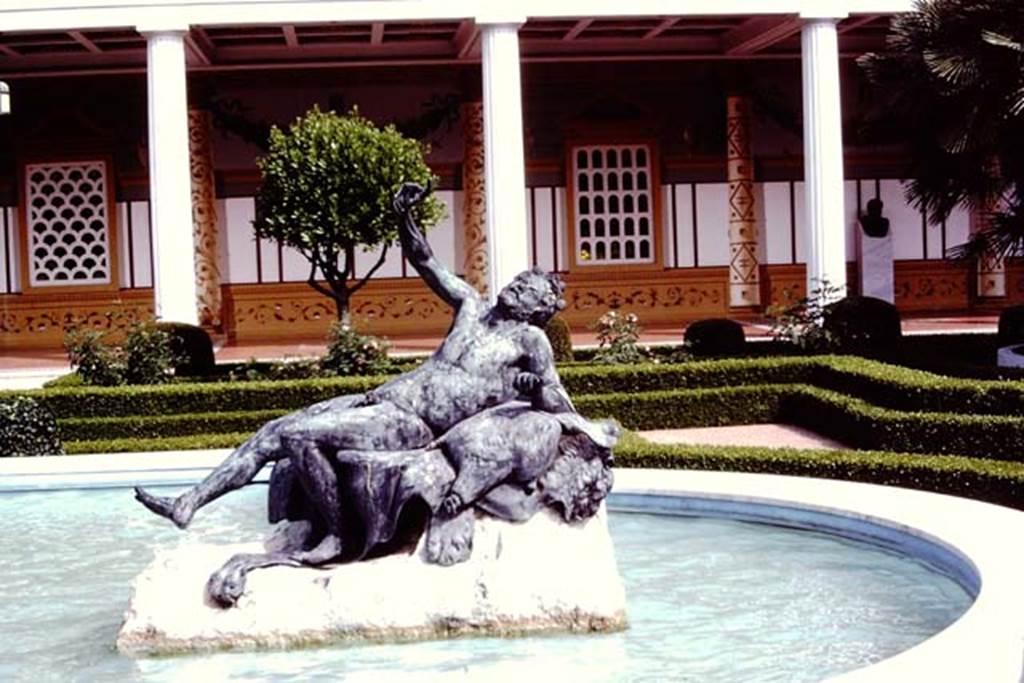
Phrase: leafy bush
x=865 y=323
x=350 y=353
x=558 y=333
x=802 y=323
x=715 y=337
x=191 y=347
x=27 y=428
x=1011 y=325
x=618 y=338
x=95 y=361
x=144 y=357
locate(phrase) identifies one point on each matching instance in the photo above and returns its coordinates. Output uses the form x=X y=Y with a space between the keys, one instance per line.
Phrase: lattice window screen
x=614 y=216
x=68 y=224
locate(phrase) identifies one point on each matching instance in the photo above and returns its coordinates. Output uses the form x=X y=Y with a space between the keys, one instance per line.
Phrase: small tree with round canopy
x=327 y=185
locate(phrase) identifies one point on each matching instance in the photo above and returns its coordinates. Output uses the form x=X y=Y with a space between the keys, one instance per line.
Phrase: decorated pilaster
x=744 y=274
x=823 y=155
x=204 y=218
x=474 y=199
x=504 y=163
x=991 y=269
x=170 y=195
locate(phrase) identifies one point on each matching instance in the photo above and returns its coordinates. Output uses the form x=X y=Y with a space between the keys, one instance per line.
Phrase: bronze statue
x=873 y=223
x=484 y=424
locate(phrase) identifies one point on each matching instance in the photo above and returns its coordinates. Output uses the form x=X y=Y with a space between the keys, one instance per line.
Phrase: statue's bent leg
x=241 y=467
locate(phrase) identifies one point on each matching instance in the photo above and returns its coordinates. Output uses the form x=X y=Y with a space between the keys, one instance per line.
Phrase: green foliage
x=862 y=323
x=989 y=480
x=144 y=357
x=950 y=90
x=350 y=353
x=802 y=323
x=27 y=428
x=618 y=338
x=560 y=337
x=286 y=369
x=1011 y=325
x=192 y=349
x=327 y=186
x=715 y=337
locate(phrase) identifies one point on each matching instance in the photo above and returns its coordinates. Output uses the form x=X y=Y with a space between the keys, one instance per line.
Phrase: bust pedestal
x=874 y=265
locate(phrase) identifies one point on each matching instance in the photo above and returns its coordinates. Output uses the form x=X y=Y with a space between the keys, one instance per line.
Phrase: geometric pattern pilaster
x=744 y=274
x=204 y=218
x=474 y=196
x=991 y=268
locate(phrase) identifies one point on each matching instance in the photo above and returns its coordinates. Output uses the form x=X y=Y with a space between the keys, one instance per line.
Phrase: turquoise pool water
x=709 y=600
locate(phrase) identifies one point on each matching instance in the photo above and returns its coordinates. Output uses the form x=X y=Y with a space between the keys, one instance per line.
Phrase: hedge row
x=989 y=480
x=849 y=420
x=880 y=384
x=994 y=481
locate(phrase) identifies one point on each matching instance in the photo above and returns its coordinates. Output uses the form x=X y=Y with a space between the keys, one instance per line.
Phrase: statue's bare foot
x=450 y=539
x=178 y=510
x=325 y=551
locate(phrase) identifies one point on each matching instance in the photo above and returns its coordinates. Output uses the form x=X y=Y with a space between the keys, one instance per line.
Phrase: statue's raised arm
x=446 y=284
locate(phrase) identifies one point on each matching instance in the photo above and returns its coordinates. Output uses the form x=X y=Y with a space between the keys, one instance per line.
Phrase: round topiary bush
x=1011 y=325
x=715 y=337
x=27 y=428
x=557 y=331
x=858 y=323
x=192 y=348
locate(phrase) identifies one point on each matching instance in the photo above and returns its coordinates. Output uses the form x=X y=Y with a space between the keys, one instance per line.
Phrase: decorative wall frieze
x=474 y=196
x=204 y=218
x=40 y=321
x=744 y=285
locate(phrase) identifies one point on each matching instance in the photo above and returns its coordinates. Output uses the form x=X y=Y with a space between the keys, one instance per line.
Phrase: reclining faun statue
x=483 y=424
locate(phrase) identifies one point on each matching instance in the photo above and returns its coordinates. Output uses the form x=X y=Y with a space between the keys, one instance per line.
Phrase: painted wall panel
x=933 y=233
x=442 y=236
x=800 y=222
x=270 y=262
x=125 y=276
x=562 y=233
x=852 y=221
x=240 y=241
x=9 y=276
x=685 y=246
x=544 y=227
x=904 y=221
x=713 y=224
x=142 y=239
x=958 y=227
x=777 y=224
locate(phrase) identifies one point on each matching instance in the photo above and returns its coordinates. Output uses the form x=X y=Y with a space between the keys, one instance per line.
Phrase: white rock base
x=543 y=575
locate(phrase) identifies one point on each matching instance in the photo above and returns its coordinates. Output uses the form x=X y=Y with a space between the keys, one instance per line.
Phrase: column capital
x=498 y=17
x=162 y=28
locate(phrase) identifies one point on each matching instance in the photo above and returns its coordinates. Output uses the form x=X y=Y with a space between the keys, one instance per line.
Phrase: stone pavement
x=763 y=435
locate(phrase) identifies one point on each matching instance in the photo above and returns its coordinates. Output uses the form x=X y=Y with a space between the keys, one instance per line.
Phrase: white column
x=170 y=191
x=823 y=154
x=504 y=165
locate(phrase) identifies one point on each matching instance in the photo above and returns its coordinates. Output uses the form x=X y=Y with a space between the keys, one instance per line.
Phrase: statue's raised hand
x=408 y=196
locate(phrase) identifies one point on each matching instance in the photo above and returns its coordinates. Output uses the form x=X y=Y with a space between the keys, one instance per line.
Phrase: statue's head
x=874 y=207
x=534 y=296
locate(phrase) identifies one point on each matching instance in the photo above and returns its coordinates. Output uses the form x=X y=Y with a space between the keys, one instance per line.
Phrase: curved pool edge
x=975 y=543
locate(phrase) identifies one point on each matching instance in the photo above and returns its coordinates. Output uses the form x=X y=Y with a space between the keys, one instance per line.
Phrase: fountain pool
x=710 y=599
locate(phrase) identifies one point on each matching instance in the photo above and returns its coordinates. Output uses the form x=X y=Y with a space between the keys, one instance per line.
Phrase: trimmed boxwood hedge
x=880 y=384
x=989 y=480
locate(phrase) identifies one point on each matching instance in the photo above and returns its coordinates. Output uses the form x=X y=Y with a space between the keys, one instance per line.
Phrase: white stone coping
x=975 y=543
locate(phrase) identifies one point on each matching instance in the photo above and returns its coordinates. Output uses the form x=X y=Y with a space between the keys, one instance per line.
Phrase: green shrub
x=191 y=347
x=95 y=361
x=144 y=357
x=715 y=337
x=27 y=428
x=350 y=353
x=862 y=323
x=1011 y=325
x=801 y=323
x=560 y=337
x=618 y=338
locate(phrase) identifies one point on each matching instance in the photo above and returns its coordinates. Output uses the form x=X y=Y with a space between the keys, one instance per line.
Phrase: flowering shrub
x=618 y=338
x=145 y=356
x=802 y=323
x=352 y=353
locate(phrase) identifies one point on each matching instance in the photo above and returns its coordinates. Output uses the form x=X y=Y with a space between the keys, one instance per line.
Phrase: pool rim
x=985 y=643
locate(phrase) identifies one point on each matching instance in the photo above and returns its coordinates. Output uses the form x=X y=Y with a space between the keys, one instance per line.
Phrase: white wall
x=10 y=275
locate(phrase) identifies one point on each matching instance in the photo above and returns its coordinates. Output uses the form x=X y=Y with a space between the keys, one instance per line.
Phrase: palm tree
x=951 y=88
